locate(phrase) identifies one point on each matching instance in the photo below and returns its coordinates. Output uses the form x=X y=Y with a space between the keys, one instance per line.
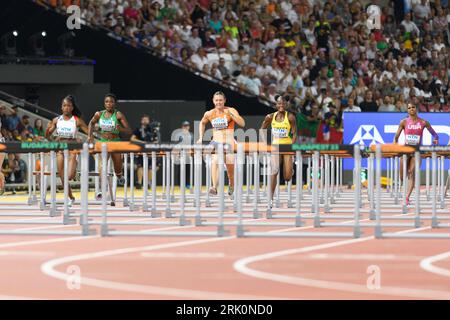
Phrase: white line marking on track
x=184 y=255
x=48 y=268
x=427 y=264
x=360 y=257
x=242 y=267
x=4 y=297
x=27 y=253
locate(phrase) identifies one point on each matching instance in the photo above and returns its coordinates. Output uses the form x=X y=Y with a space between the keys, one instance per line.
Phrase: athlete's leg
x=229 y=158
x=287 y=167
x=140 y=175
x=274 y=169
x=214 y=171
x=60 y=165
x=411 y=175
x=117 y=164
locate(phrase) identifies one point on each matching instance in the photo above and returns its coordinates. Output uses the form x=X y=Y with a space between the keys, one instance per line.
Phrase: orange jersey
x=221 y=122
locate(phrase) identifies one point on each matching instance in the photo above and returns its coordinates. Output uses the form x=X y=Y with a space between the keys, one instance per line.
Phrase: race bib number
x=280 y=132
x=219 y=123
x=412 y=139
x=65 y=133
x=107 y=125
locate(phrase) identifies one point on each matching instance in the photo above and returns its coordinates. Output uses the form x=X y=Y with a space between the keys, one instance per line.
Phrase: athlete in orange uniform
x=222 y=119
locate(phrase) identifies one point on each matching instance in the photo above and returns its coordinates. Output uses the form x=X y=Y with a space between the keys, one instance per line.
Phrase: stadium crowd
x=323 y=54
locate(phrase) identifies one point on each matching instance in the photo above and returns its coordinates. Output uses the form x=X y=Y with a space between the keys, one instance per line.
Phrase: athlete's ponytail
x=76 y=111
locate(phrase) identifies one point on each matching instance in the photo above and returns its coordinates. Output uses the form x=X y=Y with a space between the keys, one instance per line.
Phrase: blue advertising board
x=380 y=127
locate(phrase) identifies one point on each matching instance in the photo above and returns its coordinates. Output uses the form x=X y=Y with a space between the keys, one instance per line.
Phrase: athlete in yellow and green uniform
x=284 y=131
x=111 y=123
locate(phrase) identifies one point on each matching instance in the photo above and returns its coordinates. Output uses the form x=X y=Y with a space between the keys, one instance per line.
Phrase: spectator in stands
x=14 y=169
x=194 y=42
x=38 y=130
x=12 y=120
x=200 y=58
x=25 y=128
x=223 y=68
x=317 y=38
x=368 y=105
x=387 y=106
x=20 y=172
x=351 y=106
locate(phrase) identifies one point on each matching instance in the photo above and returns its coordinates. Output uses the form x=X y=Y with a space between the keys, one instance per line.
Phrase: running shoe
x=70 y=202
x=230 y=191
x=121 y=180
x=213 y=191
x=98 y=196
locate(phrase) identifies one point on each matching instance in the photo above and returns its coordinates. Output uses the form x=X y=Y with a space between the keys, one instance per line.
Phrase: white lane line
x=48 y=268
x=362 y=257
x=184 y=255
x=44 y=241
x=427 y=264
x=27 y=253
x=242 y=266
x=69 y=225
x=5 y=297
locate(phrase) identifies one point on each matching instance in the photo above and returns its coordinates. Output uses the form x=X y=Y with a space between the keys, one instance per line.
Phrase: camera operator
x=147 y=132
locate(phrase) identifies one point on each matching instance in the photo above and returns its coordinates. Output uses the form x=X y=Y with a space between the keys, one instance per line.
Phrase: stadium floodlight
x=37 y=43
x=8 y=43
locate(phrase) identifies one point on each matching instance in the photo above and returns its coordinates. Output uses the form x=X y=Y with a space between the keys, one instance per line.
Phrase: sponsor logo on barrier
x=44 y=145
x=315 y=147
x=367 y=133
x=378 y=128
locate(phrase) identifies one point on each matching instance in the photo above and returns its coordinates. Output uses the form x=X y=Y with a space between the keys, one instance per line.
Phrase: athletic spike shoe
x=98 y=196
x=70 y=202
x=213 y=191
x=407 y=202
x=121 y=180
x=230 y=191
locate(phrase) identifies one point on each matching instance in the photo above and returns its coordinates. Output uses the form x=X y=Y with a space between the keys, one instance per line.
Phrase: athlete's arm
x=266 y=123
x=433 y=133
x=201 y=127
x=82 y=125
x=399 y=130
x=293 y=123
x=234 y=114
x=91 y=126
x=124 y=126
x=51 y=127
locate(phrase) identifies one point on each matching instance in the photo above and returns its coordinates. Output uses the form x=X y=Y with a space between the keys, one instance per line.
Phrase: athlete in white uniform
x=65 y=128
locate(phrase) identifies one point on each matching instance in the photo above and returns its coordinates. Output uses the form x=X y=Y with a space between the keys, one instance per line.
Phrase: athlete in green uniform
x=110 y=122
